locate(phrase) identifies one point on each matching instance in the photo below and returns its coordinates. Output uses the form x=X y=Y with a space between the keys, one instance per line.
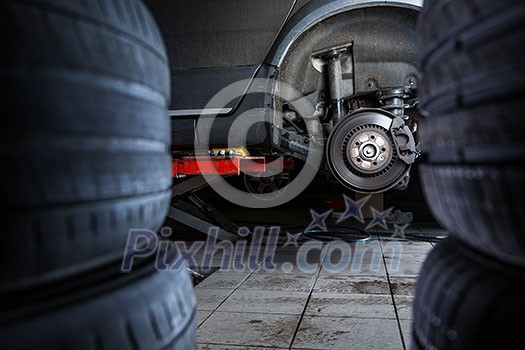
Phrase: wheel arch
x=318 y=11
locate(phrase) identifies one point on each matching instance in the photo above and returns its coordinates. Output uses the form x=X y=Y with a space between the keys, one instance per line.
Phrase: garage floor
x=337 y=295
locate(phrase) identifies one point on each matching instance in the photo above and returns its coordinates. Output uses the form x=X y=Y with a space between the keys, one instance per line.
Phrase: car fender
x=316 y=11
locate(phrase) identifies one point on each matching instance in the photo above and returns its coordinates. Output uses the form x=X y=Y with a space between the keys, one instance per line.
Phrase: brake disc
x=363 y=153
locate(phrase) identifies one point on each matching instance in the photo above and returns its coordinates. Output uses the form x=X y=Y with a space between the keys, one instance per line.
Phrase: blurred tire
x=105 y=309
x=86 y=140
x=85 y=144
x=465 y=300
x=472 y=61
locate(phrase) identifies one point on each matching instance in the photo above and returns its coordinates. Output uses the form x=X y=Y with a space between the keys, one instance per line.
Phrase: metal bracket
x=332 y=59
x=190 y=210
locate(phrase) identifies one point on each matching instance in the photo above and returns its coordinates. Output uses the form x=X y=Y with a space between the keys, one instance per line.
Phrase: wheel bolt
x=369 y=151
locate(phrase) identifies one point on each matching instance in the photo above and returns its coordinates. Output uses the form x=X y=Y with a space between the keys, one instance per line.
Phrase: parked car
x=351 y=64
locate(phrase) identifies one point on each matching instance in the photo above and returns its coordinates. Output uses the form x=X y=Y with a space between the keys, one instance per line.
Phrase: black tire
x=480 y=206
x=87 y=140
x=472 y=61
x=470 y=53
x=465 y=300
x=105 y=309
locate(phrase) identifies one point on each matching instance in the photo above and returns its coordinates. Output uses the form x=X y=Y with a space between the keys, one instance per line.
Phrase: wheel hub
x=369 y=150
x=361 y=152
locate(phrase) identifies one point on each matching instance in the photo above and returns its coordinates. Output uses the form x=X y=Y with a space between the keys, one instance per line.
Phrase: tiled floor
x=337 y=296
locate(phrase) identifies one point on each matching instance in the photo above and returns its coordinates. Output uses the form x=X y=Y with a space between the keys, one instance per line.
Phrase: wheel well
x=384 y=49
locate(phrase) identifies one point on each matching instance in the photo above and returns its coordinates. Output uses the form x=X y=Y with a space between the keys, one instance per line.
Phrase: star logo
x=379 y=218
x=353 y=208
x=291 y=239
x=399 y=231
x=318 y=220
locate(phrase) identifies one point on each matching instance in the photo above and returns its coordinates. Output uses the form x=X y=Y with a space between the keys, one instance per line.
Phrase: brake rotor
x=361 y=152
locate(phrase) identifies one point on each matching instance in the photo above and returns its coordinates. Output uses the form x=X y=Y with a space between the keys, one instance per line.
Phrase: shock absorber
x=338 y=87
x=335 y=78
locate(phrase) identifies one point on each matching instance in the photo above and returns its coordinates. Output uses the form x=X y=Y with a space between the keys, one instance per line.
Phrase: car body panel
x=316 y=11
x=212 y=43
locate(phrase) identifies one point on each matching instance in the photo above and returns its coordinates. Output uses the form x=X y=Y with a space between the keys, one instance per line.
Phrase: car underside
x=297 y=78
